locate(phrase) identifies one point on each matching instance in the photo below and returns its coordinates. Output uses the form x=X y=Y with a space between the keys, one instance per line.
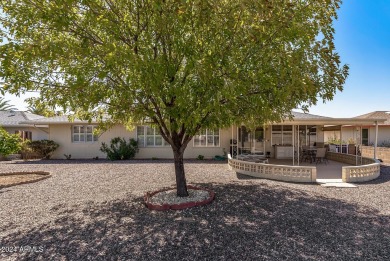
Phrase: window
x=207 y=138
x=24 y=135
x=83 y=133
x=365 y=137
x=150 y=137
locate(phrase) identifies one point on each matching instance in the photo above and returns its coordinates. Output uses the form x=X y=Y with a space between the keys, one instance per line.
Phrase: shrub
x=119 y=149
x=43 y=147
x=9 y=143
x=200 y=157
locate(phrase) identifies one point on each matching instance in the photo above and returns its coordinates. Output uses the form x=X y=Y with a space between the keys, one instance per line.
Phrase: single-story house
x=278 y=140
x=11 y=122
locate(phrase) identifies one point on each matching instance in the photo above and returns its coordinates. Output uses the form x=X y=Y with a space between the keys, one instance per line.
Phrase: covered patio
x=274 y=151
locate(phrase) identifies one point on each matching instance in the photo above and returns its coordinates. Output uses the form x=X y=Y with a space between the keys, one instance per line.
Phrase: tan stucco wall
x=347 y=133
x=62 y=135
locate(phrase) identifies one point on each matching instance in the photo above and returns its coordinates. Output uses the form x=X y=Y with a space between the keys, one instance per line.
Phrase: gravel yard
x=93 y=210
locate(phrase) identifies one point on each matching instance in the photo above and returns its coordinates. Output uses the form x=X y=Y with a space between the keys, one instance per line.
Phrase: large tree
x=182 y=65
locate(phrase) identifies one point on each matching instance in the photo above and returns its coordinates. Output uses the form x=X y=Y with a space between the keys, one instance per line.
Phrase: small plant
x=385 y=143
x=96 y=158
x=68 y=156
x=154 y=158
x=44 y=148
x=200 y=157
x=119 y=149
x=333 y=140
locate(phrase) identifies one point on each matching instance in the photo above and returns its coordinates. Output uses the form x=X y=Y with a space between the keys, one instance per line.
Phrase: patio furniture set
x=313 y=154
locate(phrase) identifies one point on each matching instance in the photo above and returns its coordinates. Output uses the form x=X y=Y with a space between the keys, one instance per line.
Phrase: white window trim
x=94 y=137
x=145 y=135
x=207 y=145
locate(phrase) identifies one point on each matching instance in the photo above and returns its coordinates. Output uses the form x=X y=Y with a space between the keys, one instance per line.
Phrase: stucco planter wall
x=383 y=153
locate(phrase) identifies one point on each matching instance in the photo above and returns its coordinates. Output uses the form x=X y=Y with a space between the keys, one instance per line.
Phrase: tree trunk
x=181 y=183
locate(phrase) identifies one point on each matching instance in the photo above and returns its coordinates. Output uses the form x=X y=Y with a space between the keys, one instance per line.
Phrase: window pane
x=150 y=141
x=216 y=141
x=210 y=140
x=89 y=129
x=149 y=131
x=82 y=129
x=202 y=140
x=196 y=140
x=76 y=129
x=95 y=138
x=141 y=141
x=140 y=130
x=89 y=137
x=82 y=137
x=158 y=141
x=76 y=138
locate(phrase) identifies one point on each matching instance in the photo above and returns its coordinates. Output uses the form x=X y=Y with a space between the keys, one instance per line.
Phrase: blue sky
x=363 y=41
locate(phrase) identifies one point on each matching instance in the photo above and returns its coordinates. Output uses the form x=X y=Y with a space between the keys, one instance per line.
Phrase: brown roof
x=376 y=115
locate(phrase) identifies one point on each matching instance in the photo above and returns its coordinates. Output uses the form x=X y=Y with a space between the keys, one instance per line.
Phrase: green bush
x=9 y=143
x=119 y=149
x=43 y=147
x=200 y=157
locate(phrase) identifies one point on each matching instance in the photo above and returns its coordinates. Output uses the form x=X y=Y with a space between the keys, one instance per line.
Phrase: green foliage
x=184 y=65
x=68 y=156
x=38 y=108
x=119 y=149
x=334 y=140
x=9 y=143
x=181 y=65
x=200 y=157
x=5 y=106
x=385 y=143
x=45 y=148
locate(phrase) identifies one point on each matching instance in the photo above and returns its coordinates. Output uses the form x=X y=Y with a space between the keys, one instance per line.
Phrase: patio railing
x=276 y=172
x=368 y=169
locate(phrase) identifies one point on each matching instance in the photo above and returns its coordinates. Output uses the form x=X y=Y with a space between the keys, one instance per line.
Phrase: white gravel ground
x=93 y=210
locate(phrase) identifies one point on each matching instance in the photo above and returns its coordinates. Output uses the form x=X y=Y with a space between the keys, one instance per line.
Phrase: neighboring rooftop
x=300 y=115
x=13 y=118
x=376 y=115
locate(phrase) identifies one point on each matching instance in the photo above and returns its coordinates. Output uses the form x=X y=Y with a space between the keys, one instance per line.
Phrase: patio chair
x=321 y=155
x=304 y=154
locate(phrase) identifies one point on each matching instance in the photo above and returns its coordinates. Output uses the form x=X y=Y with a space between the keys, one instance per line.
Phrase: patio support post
x=298 y=144
x=232 y=143
x=237 y=143
x=355 y=139
x=341 y=139
x=264 y=140
x=361 y=145
x=376 y=139
x=293 y=147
